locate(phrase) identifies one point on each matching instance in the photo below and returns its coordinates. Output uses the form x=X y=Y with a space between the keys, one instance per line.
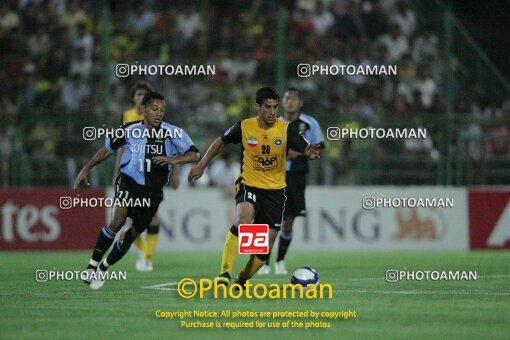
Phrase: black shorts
x=126 y=187
x=296 y=185
x=269 y=204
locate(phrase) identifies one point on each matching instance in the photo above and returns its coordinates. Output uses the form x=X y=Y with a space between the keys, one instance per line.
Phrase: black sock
x=118 y=251
x=153 y=229
x=284 y=245
x=234 y=230
x=268 y=257
x=103 y=242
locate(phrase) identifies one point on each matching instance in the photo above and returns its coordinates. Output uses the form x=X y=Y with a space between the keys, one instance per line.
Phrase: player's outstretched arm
x=298 y=143
x=100 y=156
x=293 y=154
x=198 y=170
x=175 y=177
x=188 y=157
x=313 y=151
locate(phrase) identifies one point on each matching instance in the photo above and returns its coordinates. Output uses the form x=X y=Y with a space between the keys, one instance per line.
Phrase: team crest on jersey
x=277 y=141
x=252 y=141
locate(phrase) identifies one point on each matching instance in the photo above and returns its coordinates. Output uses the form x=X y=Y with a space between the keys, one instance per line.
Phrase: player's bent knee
x=287 y=229
x=117 y=223
x=288 y=221
x=154 y=220
x=245 y=212
x=115 y=226
x=128 y=236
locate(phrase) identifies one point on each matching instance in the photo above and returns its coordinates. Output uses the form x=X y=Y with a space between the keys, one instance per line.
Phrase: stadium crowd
x=53 y=71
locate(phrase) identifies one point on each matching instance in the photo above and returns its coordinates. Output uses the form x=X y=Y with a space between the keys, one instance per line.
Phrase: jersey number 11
x=148 y=161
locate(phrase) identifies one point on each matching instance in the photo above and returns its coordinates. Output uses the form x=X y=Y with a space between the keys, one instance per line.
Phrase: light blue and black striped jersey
x=312 y=132
x=141 y=145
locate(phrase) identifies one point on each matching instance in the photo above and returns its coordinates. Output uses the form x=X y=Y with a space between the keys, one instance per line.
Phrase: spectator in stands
x=80 y=64
x=41 y=144
x=84 y=40
x=29 y=92
x=382 y=56
x=358 y=58
x=425 y=46
x=374 y=19
x=74 y=92
x=188 y=23
x=224 y=171
x=407 y=69
x=211 y=111
x=497 y=142
x=322 y=19
x=60 y=43
x=39 y=43
x=351 y=25
x=421 y=146
x=6 y=148
x=406 y=78
x=8 y=19
x=404 y=17
x=141 y=20
x=73 y=16
x=300 y=23
x=363 y=110
x=472 y=136
x=396 y=43
x=244 y=65
x=427 y=88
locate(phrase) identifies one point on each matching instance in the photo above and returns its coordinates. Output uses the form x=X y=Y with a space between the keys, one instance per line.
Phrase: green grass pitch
x=123 y=309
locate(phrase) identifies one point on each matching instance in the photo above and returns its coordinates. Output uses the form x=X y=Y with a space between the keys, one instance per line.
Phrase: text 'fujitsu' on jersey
x=136 y=161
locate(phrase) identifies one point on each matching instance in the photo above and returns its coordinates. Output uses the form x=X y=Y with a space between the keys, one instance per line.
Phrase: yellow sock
x=251 y=267
x=150 y=245
x=140 y=243
x=229 y=255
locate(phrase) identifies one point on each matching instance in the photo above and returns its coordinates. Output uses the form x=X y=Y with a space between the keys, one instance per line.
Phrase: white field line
x=425 y=292
x=173 y=286
x=163 y=286
x=479 y=277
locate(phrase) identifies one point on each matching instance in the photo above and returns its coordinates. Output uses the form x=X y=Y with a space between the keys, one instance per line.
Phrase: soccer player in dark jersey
x=297 y=169
x=145 y=247
x=260 y=188
x=150 y=152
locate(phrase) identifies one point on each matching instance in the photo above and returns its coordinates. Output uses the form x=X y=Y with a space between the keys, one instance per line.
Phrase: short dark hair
x=141 y=85
x=293 y=89
x=151 y=95
x=266 y=93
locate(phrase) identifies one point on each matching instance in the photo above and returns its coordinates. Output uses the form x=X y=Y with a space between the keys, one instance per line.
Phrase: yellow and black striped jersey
x=264 y=152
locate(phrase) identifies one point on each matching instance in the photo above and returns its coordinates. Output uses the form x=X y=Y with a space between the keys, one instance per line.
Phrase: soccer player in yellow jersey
x=145 y=247
x=260 y=188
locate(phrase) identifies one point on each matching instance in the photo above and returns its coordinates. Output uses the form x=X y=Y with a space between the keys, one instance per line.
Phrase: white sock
x=105 y=264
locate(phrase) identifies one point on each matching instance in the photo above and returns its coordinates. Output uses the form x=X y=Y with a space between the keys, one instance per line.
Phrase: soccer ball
x=305 y=276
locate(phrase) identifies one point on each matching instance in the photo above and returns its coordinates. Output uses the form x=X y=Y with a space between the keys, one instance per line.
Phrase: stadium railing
x=49 y=152
x=471 y=65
